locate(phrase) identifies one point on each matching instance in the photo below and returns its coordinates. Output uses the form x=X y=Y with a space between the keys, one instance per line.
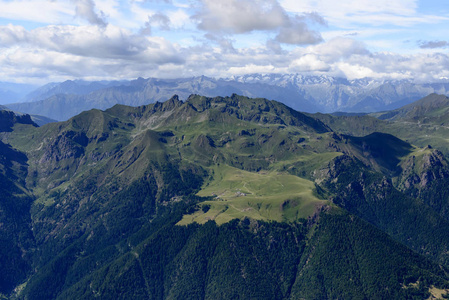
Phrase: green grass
x=266 y=195
x=306 y=164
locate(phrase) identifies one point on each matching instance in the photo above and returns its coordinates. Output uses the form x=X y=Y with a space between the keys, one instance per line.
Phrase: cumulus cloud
x=91 y=41
x=12 y=35
x=314 y=17
x=167 y=22
x=146 y=29
x=85 y=9
x=79 y=50
x=247 y=36
x=160 y=20
x=274 y=46
x=110 y=42
x=433 y=44
x=297 y=31
x=336 y=49
x=240 y=16
x=309 y=63
x=111 y=52
x=179 y=18
x=418 y=67
x=244 y=16
x=224 y=43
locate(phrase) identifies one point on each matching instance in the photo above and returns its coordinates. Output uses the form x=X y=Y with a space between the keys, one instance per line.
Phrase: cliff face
x=423 y=174
x=378 y=199
x=419 y=173
x=9 y=118
x=426 y=177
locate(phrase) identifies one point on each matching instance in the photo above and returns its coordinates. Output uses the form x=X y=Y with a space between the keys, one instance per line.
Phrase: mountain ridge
x=418 y=109
x=422 y=123
x=305 y=93
x=261 y=191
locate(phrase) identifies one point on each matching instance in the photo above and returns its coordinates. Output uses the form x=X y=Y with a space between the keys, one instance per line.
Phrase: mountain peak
x=432 y=105
x=258 y=110
x=301 y=92
x=8 y=119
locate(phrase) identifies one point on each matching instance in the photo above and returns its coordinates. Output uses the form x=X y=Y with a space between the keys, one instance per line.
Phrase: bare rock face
x=426 y=177
x=435 y=158
x=419 y=173
x=9 y=118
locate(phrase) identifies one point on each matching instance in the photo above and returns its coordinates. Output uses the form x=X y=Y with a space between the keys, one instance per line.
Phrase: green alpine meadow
x=225 y=198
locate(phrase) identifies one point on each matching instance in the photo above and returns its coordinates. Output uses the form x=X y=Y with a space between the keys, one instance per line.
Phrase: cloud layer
x=108 y=39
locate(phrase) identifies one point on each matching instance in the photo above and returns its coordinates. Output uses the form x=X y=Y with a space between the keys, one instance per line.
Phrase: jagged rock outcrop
x=373 y=197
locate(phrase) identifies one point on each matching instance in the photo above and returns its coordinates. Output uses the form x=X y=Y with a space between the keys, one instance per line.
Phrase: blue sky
x=54 y=40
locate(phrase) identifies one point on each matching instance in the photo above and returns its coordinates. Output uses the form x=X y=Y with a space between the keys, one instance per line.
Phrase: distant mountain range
x=14 y=92
x=333 y=94
x=61 y=101
x=75 y=87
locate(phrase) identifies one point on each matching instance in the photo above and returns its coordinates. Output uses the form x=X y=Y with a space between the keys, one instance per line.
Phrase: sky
x=45 y=41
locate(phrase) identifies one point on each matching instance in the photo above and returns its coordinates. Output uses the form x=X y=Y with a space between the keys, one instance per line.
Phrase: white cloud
x=240 y=16
x=110 y=8
x=179 y=18
x=139 y=13
x=42 y=11
x=78 y=51
x=420 y=67
x=308 y=63
x=161 y=20
x=352 y=71
x=347 y=13
x=252 y=68
x=11 y=35
x=336 y=49
x=298 y=33
x=126 y=39
x=85 y=9
x=90 y=41
x=245 y=16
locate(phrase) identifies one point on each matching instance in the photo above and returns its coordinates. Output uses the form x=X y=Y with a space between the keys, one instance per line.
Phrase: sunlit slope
x=265 y=195
x=421 y=123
